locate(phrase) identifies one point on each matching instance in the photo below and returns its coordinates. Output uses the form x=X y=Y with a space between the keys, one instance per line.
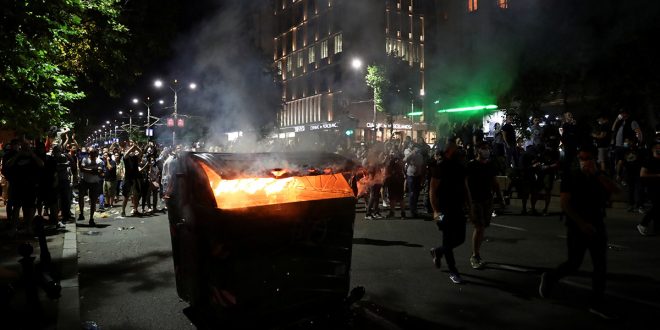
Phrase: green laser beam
x=476 y=107
x=417 y=113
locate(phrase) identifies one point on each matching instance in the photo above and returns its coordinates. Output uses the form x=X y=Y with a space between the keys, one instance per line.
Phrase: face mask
x=484 y=154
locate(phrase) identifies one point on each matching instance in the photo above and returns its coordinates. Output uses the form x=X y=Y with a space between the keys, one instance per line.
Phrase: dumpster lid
x=278 y=164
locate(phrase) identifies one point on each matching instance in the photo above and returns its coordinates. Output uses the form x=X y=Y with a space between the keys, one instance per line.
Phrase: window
x=324 y=48
x=503 y=4
x=473 y=5
x=311 y=57
x=338 y=45
x=301 y=59
x=288 y=65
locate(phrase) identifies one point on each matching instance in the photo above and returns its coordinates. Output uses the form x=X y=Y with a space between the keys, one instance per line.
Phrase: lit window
x=473 y=5
x=311 y=58
x=504 y=4
x=338 y=45
x=301 y=59
x=324 y=48
x=288 y=65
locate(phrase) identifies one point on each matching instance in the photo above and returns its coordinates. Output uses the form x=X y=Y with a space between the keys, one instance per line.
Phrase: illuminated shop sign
x=396 y=126
x=316 y=127
x=299 y=128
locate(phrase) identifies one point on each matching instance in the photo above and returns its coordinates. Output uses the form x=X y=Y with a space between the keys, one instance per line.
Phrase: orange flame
x=247 y=192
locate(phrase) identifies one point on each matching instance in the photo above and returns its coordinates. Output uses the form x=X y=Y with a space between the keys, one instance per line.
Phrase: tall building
x=316 y=43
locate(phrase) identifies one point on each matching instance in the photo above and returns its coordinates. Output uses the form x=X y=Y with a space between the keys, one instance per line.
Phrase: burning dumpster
x=261 y=239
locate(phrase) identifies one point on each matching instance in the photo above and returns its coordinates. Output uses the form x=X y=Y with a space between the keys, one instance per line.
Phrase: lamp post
x=356 y=64
x=148 y=104
x=175 y=89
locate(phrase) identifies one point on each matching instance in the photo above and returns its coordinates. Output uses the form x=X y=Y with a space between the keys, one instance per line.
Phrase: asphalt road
x=127 y=281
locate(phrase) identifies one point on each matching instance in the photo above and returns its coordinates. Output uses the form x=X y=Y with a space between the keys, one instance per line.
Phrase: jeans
x=453 y=235
x=414 y=184
x=374 y=198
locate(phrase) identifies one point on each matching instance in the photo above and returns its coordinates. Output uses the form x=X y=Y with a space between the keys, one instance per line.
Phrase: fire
x=247 y=192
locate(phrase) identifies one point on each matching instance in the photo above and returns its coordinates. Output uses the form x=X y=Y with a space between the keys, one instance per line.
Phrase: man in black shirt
x=482 y=182
x=509 y=137
x=449 y=199
x=131 y=186
x=584 y=194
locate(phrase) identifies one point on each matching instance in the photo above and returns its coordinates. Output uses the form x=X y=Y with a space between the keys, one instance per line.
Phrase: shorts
x=481 y=213
x=131 y=187
x=91 y=189
x=109 y=189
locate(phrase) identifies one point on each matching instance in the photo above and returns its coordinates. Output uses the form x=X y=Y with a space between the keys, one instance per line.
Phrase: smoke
x=235 y=88
x=474 y=59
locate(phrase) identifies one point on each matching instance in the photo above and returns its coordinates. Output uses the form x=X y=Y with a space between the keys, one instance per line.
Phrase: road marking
x=613 y=294
x=508 y=227
x=516 y=268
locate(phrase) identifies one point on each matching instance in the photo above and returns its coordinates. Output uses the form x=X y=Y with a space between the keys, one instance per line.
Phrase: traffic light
x=349 y=132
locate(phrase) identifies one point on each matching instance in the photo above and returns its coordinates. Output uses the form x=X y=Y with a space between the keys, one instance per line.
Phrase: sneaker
x=544 y=286
x=378 y=216
x=476 y=262
x=91 y=222
x=81 y=217
x=456 y=278
x=369 y=217
x=642 y=230
x=641 y=210
x=603 y=312
x=437 y=258
x=60 y=225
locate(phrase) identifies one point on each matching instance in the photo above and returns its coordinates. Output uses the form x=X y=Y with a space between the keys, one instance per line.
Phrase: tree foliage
x=46 y=47
x=393 y=84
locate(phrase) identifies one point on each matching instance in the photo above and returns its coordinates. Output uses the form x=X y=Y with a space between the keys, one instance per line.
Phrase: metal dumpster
x=261 y=240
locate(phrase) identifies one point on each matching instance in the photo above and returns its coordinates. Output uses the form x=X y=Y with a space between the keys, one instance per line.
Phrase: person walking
x=482 y=183
x=449 y=201
x=584 y=194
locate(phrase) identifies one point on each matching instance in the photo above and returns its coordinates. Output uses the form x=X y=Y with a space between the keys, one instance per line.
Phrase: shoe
x=60 y=225
x=92 y=223
x=544 y=286
x=476 y=262
x=641 y=210
x=642 y=230
x=102 y=210
x=437 y=258
x=123 y=214
x=81 y=217
x=378 y=216
x=535 y=213
x=369 y=217
x=545 y=213
x=456 y=278
x=603 y=312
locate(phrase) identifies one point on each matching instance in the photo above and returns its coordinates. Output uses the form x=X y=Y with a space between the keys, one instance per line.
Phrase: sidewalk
x=62 y=313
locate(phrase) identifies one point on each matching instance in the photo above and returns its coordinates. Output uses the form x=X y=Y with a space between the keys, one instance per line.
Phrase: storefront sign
x=396 y=126
x=299 y=128
x=316 y=127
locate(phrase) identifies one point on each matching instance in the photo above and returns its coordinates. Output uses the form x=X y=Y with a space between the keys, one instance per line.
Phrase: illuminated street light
x=356 y=63
x=159 y=84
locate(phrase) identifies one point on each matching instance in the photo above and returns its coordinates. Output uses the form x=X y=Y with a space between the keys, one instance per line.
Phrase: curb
x=68 y=305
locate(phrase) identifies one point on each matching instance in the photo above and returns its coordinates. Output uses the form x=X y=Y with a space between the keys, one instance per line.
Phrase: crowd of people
x=46 y=177
x=465 y=175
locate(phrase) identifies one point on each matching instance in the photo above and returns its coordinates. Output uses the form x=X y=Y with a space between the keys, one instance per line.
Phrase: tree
x=45 y=48
x=377 y=80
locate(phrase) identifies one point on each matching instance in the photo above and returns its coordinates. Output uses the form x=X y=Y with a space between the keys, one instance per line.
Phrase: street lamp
x=175 y=89
x=356 y=64
x=148 y=104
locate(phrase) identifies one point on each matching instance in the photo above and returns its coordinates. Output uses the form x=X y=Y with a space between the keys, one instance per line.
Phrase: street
x=127 y=281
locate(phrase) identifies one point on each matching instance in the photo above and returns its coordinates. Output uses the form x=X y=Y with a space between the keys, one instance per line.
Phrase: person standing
x=569 y=139
x=131 y=187
x=584 y=194
x=110 y=179
x=395 y=181
x=63 y=176
x=414 y=176
x=509 y=139
x=602 y=138
x=91 y=179
x=482 y=183
x=650 y=176
x=449 y=200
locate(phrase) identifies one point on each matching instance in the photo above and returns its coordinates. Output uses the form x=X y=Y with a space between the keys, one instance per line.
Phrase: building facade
x=314 y=46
